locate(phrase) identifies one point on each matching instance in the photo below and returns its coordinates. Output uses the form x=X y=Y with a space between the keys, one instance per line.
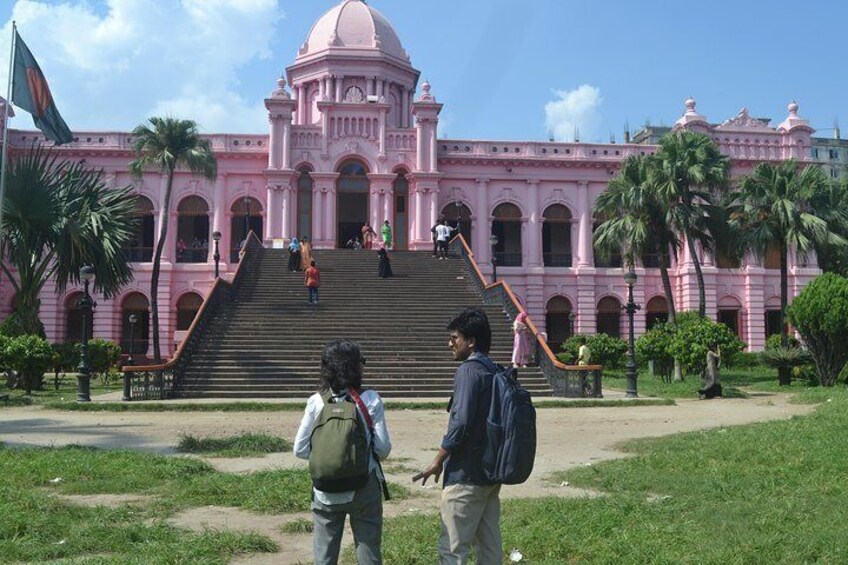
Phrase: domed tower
x=349 y=144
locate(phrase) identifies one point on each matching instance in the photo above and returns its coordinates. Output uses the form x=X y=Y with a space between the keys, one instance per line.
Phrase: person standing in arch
x=294 y=255
x=368 y=235
x=386 y=232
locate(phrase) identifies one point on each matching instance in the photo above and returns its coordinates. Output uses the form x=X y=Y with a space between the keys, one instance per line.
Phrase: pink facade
x=351 y=141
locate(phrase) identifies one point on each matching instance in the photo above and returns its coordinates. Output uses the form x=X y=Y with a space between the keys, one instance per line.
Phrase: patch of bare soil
x=108 y=500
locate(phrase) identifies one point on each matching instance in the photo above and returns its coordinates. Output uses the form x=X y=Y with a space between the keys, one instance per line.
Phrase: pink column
x=374 y=207
x=419 y=214
x=419 y=146
x=482 y=229
x=434 y=164
x=534 y=225
x=585 y=254
x=286 y=212
x=273 y=141
x=434 y=207
x=285 y=162
x=403 y=122
x=317 y=214
x=388 y=201
x=330 y=218
x=272 y=217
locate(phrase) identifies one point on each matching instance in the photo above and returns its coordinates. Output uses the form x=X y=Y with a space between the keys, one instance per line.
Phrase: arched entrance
x=556 y=236
x=351 y=201
x=187 y=308
x=140 y=249
x=558 y=323
x=304 y=205
x=507 y=227
x=458 y=215
x=400 y=225
x=246 y=216
x=656 y=312
x=192 y=230
x=135 y=303
x=609 y=316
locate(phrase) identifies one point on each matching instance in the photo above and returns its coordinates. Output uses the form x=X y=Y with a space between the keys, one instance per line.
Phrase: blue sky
x=503 y=69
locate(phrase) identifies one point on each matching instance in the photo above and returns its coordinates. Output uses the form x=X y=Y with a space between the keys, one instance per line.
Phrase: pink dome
x=352 y=25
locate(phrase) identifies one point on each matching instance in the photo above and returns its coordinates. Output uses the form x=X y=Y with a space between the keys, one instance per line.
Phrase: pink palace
x=352 y=138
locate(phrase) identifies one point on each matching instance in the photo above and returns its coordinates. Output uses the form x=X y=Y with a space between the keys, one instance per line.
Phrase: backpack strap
x=368 y=422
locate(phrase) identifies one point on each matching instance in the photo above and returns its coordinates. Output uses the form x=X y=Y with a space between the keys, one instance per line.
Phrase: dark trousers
x=313 y=295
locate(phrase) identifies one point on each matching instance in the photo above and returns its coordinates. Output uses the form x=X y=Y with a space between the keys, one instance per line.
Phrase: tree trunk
x=699 y=274
x=672 y=313
x=157 y=264
x=784 y=374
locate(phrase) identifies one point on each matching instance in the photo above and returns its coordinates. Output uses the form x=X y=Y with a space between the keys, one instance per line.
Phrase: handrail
x=547 y=359
x=220 y=288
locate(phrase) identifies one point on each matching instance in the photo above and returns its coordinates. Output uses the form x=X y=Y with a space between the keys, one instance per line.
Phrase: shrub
x=607 y=351
x=693 y=336
x=104 y=355
x=820 y=314
x=785 y=357
x=66 y=357
x=30 y=356
x=773 y=342
x=4 y=342
x=653 y=345
x=744 y=360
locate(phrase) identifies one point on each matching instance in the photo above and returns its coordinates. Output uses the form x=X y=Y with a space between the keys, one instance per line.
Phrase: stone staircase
x=267 y=341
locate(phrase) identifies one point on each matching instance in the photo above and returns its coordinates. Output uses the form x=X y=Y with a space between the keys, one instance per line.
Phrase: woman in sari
x=520 y=341
x=384 y=269
x=294 y=255
x=305 y=253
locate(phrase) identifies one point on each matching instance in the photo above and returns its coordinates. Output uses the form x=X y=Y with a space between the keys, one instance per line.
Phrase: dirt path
x=567 y=438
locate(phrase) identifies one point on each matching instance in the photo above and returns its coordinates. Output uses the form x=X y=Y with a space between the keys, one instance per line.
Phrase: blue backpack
x=510 y=445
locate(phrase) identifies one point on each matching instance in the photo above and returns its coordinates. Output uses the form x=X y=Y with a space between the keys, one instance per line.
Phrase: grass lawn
x=247 y=445
x=764 y=493
x=36 y=526
x=67 y=391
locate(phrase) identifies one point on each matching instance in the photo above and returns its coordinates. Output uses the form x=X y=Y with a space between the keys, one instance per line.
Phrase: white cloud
x=112 y=64
x=574 y=110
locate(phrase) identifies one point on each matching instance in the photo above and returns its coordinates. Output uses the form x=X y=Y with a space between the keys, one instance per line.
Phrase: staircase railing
x=565 y=380
x=157 y=382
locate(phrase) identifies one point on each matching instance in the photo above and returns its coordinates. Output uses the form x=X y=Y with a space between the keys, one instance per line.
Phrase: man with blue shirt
x=470 y=508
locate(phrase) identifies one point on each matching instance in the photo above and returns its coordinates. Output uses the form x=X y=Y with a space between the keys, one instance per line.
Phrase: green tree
x=57 y=217
x=688 y=170
x=694 y=335
x=637 y=221
x=30 y=356
x=774 y=206
x=831 y=204
x=605 y=350
x=820 y=314
x=165 y=144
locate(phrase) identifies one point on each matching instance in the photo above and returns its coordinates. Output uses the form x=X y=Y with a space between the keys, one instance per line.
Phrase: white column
x=382 y=126
x=585 y=254
x=339 y=79
x=534 y=225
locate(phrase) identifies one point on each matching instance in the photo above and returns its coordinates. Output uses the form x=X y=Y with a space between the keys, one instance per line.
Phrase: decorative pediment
x=743 y=120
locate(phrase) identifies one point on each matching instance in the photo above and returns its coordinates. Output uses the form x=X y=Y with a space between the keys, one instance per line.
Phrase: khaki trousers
x=471 y=515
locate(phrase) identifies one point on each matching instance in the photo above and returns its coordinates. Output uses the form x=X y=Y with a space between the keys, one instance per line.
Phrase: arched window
x=656 y=311
x=729 y=310
x=614 y=260
x=304 y=205
x=187 y=307
x=609 y=316
x=400 y=187
x=138 y=305
x=73 y=319
x=457 y=214
x=140 y=249
x=192 y=230
x=246 y=215
x=507 y=228
x=556 y=236
x=559 y=322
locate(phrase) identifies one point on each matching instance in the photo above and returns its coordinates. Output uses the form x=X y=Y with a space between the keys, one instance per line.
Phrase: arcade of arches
x=246 y=215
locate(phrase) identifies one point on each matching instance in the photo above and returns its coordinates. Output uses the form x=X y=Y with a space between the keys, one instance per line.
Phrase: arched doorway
x=656 y=311
x=351 y=201
x=187 y=308
x=400 y=224
x=304 y=205
x=609 y=316
x=556 y=236
x=192 y=230
x=73 y=319
x=135 y=303
x=140 y=249
x=729 y=311
x=507 y=228
x=558 y=322
x=458 y=215
x=246 y=217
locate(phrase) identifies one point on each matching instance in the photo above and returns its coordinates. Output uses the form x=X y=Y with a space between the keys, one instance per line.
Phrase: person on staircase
x=384 y=269
x=368 y=235
x=386 y=232
x=313 y=281
x=443 y=234
x=305 y=253
x=521 y=341
x=294 y=255
x=342 y=365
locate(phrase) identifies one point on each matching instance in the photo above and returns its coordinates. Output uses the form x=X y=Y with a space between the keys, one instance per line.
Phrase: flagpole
x=3 y=164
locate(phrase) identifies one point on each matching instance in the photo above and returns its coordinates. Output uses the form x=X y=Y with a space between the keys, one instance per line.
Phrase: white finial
x=793 y=108
x=690 y=104
x=425 y=92
x=281 y=89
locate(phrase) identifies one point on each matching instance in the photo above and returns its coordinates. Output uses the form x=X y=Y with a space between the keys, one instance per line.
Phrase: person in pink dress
x=521 y=341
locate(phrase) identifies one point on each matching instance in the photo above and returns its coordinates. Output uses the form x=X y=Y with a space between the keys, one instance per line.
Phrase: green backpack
x=339 y=460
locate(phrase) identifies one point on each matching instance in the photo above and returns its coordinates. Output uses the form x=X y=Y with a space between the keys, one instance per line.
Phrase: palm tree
x=636 y=221
x=774 y=206
x=57 y=217
x=168 y=143
x=832 y=206
x=689 y=169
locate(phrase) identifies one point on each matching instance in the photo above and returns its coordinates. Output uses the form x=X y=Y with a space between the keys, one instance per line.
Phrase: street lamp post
x=216 y=237
x=84 y=368
x=246 y=216
x=631 y=308
x=131 y=359
x=493 y=241
x=571 y=317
